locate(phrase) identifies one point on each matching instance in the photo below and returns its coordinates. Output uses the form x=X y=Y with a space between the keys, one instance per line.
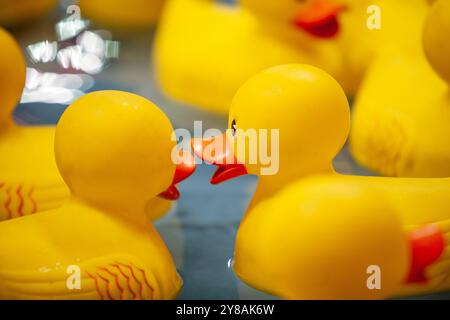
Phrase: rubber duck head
x=114 y=150
x=12 y=76
x=304 y=115
x=435 y=38
x=318 y=18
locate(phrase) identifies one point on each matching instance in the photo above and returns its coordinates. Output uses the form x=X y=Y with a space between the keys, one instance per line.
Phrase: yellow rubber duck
x=15 y=12
x=205 y=50
x=113 y=149
x=128 y=15
x=29 y=179
x=311 y=113
x=402 y=113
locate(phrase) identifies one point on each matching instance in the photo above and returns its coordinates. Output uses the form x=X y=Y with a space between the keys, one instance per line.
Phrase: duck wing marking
x=112 y=277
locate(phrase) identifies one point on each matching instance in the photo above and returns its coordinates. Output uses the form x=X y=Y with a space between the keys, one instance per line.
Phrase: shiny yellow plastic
x=355 y=219
x=204 y=50
x=113 y=149
x=15 y=12
x=128 y=15
x=402 y=112
x=316 y=240
x=29 y=179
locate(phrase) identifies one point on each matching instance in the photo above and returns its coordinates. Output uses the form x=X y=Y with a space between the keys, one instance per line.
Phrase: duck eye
x=233 y=128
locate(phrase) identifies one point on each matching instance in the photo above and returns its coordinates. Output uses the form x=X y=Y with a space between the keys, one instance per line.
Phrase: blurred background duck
x=205 y=50
x=102 y=233
x=16 y=12
x=29 y=179
x=300 y=101
x=123 y=15
x=402 y=113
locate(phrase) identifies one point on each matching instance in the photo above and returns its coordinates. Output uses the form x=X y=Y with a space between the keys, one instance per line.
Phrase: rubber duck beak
x=427 y=245
x=217 y=151
x=185 y=168
x=319 y=18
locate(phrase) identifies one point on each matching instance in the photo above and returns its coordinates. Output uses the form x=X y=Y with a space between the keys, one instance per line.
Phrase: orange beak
x=427 y=245
x=217 y=151
x=185 y=167
x=319 y=18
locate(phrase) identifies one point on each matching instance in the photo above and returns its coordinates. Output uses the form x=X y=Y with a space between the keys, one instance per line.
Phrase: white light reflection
x=230 y=263
x=44 y=51
x=76 y=49
x=54 y=88
x=90 y=54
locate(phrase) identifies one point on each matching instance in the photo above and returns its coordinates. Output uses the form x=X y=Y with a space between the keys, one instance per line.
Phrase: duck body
x=311 y=232
x=204 y=51
x=333 y=228
x=115 y=261
x=123 y=15
x=402 y=130
x=324 y=243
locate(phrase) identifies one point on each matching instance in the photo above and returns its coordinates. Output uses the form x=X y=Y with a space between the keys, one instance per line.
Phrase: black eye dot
x=233 y=127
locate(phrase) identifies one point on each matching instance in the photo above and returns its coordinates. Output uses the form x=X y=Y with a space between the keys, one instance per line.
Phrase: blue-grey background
x=200 y=230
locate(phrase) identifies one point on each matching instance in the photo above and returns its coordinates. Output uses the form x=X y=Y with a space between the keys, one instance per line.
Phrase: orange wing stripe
x=127 y=278
x=33 y=202
x=8 y=203
x=96 y=285
x=116 y=279
x=19 y=194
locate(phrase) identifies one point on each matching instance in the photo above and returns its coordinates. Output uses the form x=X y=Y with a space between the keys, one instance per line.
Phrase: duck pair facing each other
x=402 y=113
x=114 y=150
x=317 y=237
x=205 y=50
